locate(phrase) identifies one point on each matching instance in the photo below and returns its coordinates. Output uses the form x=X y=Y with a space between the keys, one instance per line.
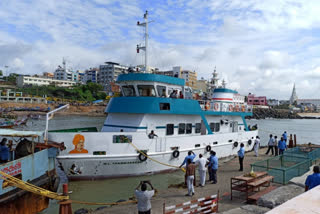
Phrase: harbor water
x=112 y=190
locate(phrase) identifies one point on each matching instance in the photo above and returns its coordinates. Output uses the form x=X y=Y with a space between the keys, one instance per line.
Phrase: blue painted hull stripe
x=127 y=127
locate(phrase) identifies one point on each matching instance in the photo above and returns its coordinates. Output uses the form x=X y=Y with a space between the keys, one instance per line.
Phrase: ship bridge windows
x=161 y=89
x=128 y=91
x=146 y=90
x=189 y=128
x=164 y=106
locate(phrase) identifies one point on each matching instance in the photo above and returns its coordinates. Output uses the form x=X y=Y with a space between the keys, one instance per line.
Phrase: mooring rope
x=165 y=164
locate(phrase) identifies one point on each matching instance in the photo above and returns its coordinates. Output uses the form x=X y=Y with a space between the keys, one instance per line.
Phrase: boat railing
x=209 y=105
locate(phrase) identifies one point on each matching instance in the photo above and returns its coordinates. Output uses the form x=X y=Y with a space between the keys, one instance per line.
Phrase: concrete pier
x=227 y=169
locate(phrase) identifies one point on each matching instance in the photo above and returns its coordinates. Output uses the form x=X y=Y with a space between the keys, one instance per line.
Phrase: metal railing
x=209 y=105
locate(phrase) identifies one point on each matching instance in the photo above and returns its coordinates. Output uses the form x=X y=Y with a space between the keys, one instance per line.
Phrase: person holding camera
x=143 y=196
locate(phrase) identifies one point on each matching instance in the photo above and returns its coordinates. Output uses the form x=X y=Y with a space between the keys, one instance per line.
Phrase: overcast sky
x=258 y=46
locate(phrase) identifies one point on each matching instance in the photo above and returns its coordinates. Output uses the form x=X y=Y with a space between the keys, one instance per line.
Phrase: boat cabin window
x=182 y=128
x=146 y=90
x=128 y=91
x=162 y=91
x=198 y=128
x=215 y=127
x=189 y=128
x=122 y=138
x=164 y=106
x=170 y=129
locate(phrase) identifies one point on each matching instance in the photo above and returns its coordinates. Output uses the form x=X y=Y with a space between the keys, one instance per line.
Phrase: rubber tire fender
x=142 y=158
x=249 y=142
x=208 y=148
x=175 y=153
x=235 y=144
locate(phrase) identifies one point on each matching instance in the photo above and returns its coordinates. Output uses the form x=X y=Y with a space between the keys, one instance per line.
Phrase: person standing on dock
x=201 y=162
x=270 y=145
x=284 y=135
x=275 y=146
x=143 y=196
x=214 y=166
x=241 y=156
x=314 y=179
x=190 y=172
x=282 y=146
x=256 y=146
x=190 y=156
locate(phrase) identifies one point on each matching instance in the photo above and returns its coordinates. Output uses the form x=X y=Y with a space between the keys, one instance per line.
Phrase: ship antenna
x=145 y=47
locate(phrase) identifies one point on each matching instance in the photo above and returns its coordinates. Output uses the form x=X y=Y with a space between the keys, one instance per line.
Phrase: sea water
x=112 y=190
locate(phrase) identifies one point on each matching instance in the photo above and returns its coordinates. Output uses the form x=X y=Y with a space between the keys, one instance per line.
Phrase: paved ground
x=174 y=196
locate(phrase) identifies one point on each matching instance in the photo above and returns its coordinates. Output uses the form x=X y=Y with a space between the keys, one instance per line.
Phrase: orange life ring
x=237 y=108
x=243 y=108
x=230 y=107
x=207 y=106
x=216 y=106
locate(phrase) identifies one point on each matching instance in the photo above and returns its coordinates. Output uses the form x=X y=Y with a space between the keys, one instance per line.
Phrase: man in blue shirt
x=241 y=156
x=314 y=179
x=284 y=135
x=190 y=156
x=214 y=166
x=282 y=146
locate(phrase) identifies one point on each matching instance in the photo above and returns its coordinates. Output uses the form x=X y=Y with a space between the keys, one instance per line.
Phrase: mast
x=145 y=47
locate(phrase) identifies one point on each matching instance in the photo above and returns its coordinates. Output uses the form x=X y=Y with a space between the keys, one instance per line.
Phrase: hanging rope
x=32 y=188
x=165 y=164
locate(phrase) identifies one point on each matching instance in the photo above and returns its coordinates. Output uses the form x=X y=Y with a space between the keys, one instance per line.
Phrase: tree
x=1 y=73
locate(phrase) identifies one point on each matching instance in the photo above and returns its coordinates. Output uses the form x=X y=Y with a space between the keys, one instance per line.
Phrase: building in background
x=273 y=102
x=253 y=100
x=91 y=75
x=294 y=96
x=190 y=78
x=109 y=73
x=202 y=85
x=41 y=81
x=238 y=99
x=48 y=75
x=62 y=73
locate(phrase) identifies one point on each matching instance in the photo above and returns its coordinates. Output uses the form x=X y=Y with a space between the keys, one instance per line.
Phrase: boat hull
x=125 y=162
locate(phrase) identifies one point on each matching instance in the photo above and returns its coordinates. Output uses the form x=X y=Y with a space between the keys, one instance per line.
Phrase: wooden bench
x=254 y=198
x=261 y=181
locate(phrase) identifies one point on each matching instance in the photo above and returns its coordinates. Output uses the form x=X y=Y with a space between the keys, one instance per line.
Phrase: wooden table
x=248 y=184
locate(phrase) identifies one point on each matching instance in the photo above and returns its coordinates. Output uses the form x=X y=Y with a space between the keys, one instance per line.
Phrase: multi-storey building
x=91 y=75
x=190 y=77
x=253 y=100
x=40 y=81
x=202 y=85
x=110 y=71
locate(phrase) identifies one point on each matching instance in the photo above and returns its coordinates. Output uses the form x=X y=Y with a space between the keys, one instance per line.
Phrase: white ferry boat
x=180 y=125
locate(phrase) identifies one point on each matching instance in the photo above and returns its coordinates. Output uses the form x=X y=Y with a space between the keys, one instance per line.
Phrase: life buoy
x=230 y=107
x=237 y=108
x=142 y=157
x=207 y=106
x=216 y=106
x=235 y=144
x=243 y=108
x=175 y=153
x=208 y=148
x=249 y=142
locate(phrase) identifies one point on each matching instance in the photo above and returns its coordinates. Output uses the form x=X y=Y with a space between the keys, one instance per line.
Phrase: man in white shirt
x=256 y=146
x=201 y=162
x=143 y=197
x=270 y=145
